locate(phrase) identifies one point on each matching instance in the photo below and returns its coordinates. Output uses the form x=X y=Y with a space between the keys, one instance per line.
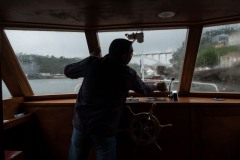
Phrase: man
x=101 y=99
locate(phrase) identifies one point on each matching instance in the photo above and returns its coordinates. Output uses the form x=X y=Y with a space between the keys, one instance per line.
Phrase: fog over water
x=67 y=44
x=73 y=44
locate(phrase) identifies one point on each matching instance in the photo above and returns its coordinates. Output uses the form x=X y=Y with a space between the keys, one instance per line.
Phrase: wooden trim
x=8 y=78
x=194 y=36
x=1 y=104
x=93 y=42
x=132 y=94
x=234 y=19
x=141 y=100
x=215 y=95
x=41 y=26
x=219 y=116
x=50 y=97
x=13 y=74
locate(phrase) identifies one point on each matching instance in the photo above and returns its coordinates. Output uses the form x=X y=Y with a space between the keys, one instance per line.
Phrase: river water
x=50 y=86
x=66 y=86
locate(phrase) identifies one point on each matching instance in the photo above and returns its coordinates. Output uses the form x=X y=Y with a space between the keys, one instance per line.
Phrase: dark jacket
x=103 y=93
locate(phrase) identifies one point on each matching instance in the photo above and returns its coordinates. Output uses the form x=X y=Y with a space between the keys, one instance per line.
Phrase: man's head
x=121 y=48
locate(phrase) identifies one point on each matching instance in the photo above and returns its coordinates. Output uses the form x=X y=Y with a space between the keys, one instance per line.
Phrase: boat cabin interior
x=192 y=46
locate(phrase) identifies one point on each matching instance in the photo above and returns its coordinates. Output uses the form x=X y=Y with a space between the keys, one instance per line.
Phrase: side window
x=43 y=56
x=218 y=61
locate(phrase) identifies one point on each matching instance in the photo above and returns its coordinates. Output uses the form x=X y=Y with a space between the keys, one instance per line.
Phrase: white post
x=142 y=68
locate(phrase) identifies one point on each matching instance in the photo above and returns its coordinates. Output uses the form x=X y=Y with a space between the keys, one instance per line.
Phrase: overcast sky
x=73 y=44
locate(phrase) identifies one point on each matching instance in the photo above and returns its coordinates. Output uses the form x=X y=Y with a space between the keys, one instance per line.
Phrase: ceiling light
x=166 y=14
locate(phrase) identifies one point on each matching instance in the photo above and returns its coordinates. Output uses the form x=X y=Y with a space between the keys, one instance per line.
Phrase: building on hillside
x=234 y=39
x=230 y=59
x=220 y=40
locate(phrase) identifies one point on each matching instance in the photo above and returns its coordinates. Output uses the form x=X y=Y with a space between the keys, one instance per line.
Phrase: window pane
x=43 y=56
x=5 y=91
x=159 y=57
x=218 y=61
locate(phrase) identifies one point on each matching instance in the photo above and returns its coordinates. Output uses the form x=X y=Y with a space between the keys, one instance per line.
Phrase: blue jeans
x=104 y=147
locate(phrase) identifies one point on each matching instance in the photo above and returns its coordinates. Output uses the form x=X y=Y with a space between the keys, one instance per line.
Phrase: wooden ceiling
x=99 y=14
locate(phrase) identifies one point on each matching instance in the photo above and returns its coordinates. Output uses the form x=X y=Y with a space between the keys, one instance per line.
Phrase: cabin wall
x=21 y=135
x=54 y=128
x=11 y=107
x=215 y=131
x=201 y=131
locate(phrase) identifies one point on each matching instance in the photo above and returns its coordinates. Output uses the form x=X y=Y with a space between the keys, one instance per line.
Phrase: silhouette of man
x=101 y=99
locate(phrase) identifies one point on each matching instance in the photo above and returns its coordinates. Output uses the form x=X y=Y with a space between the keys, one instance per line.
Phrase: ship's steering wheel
x=145 y=128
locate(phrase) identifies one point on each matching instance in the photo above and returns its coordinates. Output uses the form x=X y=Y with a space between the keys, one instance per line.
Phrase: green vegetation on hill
x=33 y=64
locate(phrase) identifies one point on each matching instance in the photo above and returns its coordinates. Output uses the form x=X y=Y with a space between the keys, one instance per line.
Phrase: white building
x=234 y=39
x=230 y=59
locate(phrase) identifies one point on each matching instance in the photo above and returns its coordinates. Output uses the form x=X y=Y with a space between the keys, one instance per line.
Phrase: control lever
x=173 y=96
x=169 y=89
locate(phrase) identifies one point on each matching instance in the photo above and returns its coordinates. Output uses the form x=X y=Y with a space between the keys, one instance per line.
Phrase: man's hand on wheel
x=161 y=86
